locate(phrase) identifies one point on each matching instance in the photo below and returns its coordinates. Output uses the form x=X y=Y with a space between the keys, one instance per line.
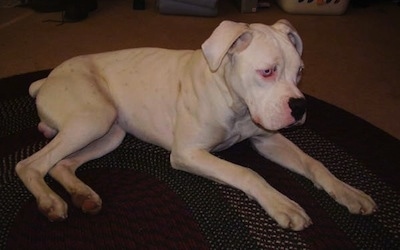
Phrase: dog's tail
x=35 y=86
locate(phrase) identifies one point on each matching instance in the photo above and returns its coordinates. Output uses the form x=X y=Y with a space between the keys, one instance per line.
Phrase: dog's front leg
x=287 y=213
x=282 y=151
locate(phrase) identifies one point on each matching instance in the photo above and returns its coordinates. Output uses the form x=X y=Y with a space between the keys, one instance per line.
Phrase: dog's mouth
x=291 y=123
x=294 y=124
x=290 y=126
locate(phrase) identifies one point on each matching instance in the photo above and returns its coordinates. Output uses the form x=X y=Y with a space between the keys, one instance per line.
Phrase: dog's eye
x=268 y=72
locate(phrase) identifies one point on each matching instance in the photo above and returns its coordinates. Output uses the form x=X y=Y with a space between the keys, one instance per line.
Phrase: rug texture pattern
x=148 y=205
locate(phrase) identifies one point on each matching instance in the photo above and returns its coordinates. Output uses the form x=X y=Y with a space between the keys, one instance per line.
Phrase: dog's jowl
x=241 y=84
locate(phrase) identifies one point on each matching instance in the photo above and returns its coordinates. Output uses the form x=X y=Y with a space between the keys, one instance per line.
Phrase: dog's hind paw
x=87 y=200
x=53 y=207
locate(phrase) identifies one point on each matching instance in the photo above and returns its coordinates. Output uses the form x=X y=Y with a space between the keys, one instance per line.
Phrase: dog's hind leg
x=78 y=131
x=64 y=171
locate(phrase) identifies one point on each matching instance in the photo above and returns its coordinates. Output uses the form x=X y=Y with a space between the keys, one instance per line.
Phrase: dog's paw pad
x=89 y=202
x=91 y=206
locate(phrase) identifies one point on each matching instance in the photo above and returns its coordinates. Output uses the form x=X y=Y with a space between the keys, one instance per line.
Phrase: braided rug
x=148 y=205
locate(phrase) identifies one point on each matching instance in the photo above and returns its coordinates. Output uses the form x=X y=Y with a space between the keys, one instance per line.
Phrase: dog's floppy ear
x=221 y=40
x=285 y=27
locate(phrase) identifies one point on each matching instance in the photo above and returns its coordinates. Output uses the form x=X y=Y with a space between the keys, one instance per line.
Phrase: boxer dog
x=242 y=84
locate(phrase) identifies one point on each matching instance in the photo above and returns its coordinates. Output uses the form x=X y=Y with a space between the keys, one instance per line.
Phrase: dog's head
x=262 y=66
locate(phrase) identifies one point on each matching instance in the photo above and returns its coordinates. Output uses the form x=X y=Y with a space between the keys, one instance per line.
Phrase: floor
x=352 y=61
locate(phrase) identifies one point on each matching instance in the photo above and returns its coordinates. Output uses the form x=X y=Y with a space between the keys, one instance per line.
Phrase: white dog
x=241 y=84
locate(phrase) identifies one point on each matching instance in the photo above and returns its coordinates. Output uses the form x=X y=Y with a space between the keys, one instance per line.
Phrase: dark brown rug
x=148 y=205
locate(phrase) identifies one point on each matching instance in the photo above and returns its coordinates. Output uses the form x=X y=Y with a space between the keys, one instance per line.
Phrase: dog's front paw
x=356 y=201
x=288 y=214
x=53 y=207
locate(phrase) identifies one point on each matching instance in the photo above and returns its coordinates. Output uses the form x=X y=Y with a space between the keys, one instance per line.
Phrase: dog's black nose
x=298 y=107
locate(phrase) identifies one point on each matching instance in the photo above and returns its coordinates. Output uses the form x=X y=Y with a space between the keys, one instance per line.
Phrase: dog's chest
x=240 y=129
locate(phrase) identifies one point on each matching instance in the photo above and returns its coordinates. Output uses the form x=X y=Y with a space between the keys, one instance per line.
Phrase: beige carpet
x=352 y=61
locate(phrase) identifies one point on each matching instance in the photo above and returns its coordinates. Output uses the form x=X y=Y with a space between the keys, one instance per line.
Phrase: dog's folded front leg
x=287 y=213
x=282 y=151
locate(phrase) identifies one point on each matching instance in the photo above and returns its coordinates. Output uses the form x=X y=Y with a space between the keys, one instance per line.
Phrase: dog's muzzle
x=298 y=107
